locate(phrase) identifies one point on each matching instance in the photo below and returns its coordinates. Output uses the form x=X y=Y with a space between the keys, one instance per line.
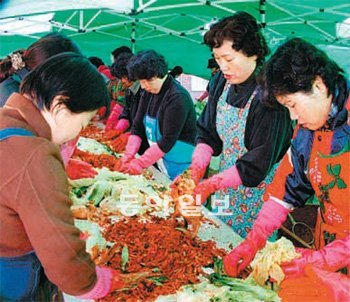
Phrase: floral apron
x=243 y=203
x=329 y=175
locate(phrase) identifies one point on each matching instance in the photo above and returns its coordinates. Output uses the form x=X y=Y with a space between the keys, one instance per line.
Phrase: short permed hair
x=70 y=75
x=118 y=68
x=119 y=50
x=146 y=65
x=294 y=67
x=244 y=32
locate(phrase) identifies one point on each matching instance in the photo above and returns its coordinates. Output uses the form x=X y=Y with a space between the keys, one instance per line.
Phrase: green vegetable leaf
x=218 y=266
x=125 y=257
x=159 y=280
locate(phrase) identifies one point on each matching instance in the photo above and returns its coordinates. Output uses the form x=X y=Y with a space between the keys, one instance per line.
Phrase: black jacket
x=267 y=133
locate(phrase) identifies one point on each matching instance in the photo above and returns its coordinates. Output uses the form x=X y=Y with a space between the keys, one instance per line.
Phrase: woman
x=120 y=124
x=21 y=62
x=249 y=137
x=314 y=89
x=37 y=231
x=166 y=114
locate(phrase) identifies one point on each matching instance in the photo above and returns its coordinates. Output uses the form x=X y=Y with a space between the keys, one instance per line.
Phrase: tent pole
x=133 y=37
x=262 y=10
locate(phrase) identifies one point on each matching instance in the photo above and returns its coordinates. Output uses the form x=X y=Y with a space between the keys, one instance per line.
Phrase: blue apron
x=19 y=276
x=179 y=157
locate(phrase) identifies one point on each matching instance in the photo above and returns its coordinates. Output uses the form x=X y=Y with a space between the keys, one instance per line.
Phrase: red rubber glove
x=332 y=257
x=200 y=160
x=269 y=219
x=229 y=178
x=67 y=150
x=108 y=280
x=152 y=155
x=119 y=144
x=77 y=169
x=113 y=118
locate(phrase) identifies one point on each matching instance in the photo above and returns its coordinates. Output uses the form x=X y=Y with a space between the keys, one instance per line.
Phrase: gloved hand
x=229 y=178
x=67 y=150
x=123 y=125
x=131 y=148
x=332 y=257
x=119 y=143
x=200 y=160
x=152 y=155
x=108 y=280
x=79 y=169
x=269 y=219
x=337 y=283
x=112 y=120
x=316 y=285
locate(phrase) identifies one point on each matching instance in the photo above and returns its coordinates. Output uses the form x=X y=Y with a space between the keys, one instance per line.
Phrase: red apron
x=330 y=178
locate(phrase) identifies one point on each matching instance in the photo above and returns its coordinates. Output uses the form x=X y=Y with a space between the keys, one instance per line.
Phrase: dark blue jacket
x=11 y=85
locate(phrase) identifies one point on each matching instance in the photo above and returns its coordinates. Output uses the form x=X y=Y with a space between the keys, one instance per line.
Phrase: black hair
x=244 y=32
x=146 y=65
x=118 y=68
x=70 y=75
x=294 y=67
x=176 y=71
x=212 y=63
x=119 y=50
x=48 y=46
x=96 y=61
x=42 y=49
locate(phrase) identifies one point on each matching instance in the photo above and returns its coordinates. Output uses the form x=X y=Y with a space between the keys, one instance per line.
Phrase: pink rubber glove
x=269 y=219
x=229 y=178
x=315 y=286
x=112 y=120
x=152 y=155
x=123 y=125
x=108 y=280
x=200 y=160
x=77 y=169
x=337 y=283
x=131 y=148
x=332 y=257
x=67 y=150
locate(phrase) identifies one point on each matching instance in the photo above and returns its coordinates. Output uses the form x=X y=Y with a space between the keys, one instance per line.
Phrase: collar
x=239 y=94
x=339 y=112
x=134 y=88
x=30 y=114
x=166 y=85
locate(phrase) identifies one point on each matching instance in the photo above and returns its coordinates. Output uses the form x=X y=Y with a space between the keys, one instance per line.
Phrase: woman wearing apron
x=37 y=232
x=249 y=137
x=165 y=114
x=315 y=91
